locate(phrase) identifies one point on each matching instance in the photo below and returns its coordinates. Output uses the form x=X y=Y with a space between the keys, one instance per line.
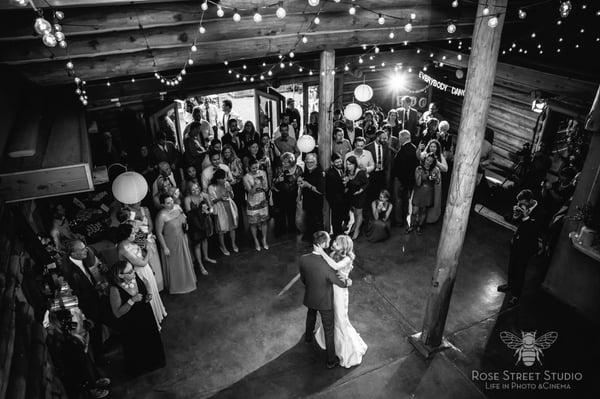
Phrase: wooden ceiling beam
x=183 y=36
x=112 y=66
x=17 y=25
x=60 y=4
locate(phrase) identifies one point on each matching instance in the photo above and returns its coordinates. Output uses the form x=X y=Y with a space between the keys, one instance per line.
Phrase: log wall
x=25 y=367
x=510 y=114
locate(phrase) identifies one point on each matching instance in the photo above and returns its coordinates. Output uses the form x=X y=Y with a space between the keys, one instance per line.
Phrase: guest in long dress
x=285 y=191
x=236 y=169
x=221 y=196
x=434 y=147
x=130 y=303
x=177 y=260
x=130 y=251
x=144 y=226
x=427 y=175
x=356 y=186
x=393 y=126
x=257 y=187
x=201 y=228
x=380 y=226
x=248 y=135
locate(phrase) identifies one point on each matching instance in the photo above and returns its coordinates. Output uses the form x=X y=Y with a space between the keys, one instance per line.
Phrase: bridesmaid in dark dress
x=356 y=182
x=130 y=303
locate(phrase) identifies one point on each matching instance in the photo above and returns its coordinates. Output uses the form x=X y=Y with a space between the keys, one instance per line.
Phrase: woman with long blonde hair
x=349 y=346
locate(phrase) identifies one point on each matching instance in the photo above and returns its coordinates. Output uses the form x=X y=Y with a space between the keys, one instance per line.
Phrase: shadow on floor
x=300 y=371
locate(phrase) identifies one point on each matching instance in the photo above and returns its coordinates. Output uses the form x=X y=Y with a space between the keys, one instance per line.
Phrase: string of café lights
x=49 y=31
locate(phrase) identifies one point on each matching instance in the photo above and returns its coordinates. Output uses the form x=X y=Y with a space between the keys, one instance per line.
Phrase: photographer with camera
x=523 y=245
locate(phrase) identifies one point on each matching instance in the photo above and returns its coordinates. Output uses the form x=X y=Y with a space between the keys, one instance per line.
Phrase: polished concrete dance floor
x=235 y=338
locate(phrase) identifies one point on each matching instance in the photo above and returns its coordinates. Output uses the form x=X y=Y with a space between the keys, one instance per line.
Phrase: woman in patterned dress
x=257 y=187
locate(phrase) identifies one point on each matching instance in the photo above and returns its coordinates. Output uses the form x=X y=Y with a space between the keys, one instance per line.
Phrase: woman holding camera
x=427 y=175
x=130 y=303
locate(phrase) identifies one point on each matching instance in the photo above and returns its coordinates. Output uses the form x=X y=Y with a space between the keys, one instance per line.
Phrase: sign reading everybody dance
x=441 y=85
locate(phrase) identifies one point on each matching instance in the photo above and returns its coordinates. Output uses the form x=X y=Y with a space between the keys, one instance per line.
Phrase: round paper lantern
x=129 y=188
x=353 y=111
x=363 y=93
x=306 y=143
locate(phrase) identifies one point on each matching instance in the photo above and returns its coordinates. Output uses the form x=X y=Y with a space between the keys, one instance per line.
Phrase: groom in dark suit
x=318 y=278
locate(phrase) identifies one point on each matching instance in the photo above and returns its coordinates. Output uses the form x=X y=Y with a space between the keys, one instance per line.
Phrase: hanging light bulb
x=459 y=57
x=156 y=75
x=333 y=72
x=282 y=65
x=352 y=10
x=360 y=60
x=244 y=78
x=565 y=8
x=313 y=3
x=252 y=78
x=455 y=4
x=257 y=17
x=493 y=22
x=202 y=29
x=270 y=73
x=60 y=36
x=204 y=5
x=59 y=15
x=522 y=14
x=107 y=84
x=425 y=68
x=292 y=54
x=69 y=65
x=280 y=11
x=304 y=39
x=226 y=62
x=280 y=56
x=262 y=77
x=179 y=78
x=57 y=27
x=190 y=61
x=237 y=75
x=408 y=27
x=84 y=102
x=62 y=44
x=78 y=91
x=194 y=48
x=300 y=69
x=220 y=12
x=413 y=16
x=392 y=50
x=42 y=26
x=381 y=20
x=392 y=35
x=20 y=2
x=317 y=20
x=132 y=80
x=346 y=68
x=49 y=40
x=336 y=1
x=76 y=80
x=371 y=58
x=162 y=80
x=230 y=72
x=264 y=64
x=236 y=17
x=486 y=11
x=290 y=63
x=451 y=28
x=244 y=66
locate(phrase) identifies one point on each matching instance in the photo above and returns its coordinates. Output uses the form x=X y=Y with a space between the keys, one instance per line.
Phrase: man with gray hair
x=403 y=172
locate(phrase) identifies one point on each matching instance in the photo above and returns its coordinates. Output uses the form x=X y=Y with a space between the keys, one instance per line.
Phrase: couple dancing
x=326 y=280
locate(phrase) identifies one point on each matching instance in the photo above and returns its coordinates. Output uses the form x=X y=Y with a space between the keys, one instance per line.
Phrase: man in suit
x=334 y=193
x=165 y=151
x=76 y=272
x=382 y=154
x=408 y=117
x=318 y=277
x=403 y=172
x=233 y=138
x=228 y=115
x=352 y=132
x=523 y=245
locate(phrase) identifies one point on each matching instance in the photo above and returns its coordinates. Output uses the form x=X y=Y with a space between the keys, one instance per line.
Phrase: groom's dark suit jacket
x=318 y=278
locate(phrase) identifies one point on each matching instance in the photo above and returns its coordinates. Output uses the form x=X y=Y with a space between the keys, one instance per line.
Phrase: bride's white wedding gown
x=349 y=346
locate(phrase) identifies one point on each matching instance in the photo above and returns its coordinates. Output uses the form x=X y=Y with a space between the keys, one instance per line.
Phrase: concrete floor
x=235 y=338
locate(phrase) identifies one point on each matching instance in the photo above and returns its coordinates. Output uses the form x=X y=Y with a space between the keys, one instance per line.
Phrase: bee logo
x=527 y=347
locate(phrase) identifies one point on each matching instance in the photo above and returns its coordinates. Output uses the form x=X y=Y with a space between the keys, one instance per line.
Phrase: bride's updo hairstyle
x=344 y=246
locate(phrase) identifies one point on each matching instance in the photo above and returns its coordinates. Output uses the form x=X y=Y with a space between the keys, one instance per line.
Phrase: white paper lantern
x=363 y=93
x=306 y=143
x=353 y=111
x=129 y=188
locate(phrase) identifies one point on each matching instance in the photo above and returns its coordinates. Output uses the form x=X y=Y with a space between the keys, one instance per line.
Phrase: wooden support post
x=326 y=105
x=478 y=94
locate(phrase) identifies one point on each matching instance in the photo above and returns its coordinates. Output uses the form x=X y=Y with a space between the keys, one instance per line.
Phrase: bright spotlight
x=397 y=81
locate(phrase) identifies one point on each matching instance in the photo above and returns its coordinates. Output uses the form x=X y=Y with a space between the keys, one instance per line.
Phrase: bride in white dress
x=349 y=346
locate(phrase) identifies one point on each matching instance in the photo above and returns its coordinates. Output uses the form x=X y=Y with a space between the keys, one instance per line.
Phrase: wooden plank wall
x=510 y=114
